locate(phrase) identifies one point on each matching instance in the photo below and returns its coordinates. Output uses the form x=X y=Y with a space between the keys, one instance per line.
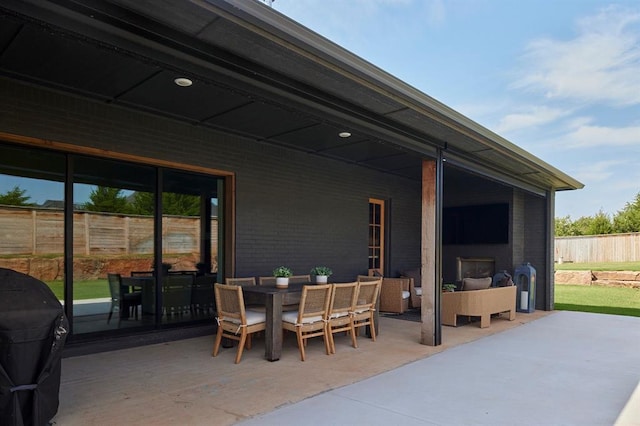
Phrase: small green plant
x=448 y=287
x=321 y=270
x=282 y=272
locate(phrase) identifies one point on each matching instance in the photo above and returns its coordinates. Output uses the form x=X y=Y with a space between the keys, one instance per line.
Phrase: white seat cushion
x=253 y=317
x=406 y=295
x=292 y=317
x=418 y=291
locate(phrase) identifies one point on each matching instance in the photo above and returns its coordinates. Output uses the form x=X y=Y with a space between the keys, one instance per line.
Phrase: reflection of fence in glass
x=40 y=231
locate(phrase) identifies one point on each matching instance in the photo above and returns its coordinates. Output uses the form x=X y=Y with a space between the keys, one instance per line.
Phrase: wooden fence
x=598 y=248
x=40 y=231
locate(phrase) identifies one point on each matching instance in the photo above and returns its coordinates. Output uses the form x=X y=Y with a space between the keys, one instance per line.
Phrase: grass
x=598 y=299
x=598 y=266
x=87 y=289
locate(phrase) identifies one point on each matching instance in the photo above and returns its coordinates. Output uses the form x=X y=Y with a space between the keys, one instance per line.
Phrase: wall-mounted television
x=479 y=224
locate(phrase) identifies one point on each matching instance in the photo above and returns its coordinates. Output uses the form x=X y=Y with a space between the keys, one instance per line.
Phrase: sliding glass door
x=113 y=241
x=140 y=243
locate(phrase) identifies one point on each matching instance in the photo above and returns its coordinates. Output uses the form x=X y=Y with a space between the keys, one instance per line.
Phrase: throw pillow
x=476 y=283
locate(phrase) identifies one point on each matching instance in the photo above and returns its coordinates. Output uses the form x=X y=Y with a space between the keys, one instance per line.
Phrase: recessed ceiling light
x=344 y=134
x=183 y=82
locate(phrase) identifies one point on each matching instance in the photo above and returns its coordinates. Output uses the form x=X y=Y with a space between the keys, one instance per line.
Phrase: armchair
x=395 y=294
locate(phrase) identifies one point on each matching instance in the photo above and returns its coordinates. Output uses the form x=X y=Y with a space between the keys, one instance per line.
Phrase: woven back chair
x=240 y=281
x=365 y=306
x=248 y=281
x=234 y=322
x=300 y=279
x=365 y=278
x=310 y=320
x=126 y=302
x=343 y=299
x=176 y=293
x=267 y=280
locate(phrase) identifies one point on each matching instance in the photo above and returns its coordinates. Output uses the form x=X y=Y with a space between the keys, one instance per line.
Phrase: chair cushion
x=253 y=317
x=406 y=295
x=292 y=317
x=476 y=283
x=418 y=291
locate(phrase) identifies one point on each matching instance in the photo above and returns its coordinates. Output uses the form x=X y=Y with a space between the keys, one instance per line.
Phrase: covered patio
x=179 y=382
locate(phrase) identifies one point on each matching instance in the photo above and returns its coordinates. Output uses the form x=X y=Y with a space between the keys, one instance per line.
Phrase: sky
x=559 y=78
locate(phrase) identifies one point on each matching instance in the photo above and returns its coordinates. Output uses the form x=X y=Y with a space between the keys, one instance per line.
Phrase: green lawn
x=89 y=289
x=598 y=266
x=599 y=299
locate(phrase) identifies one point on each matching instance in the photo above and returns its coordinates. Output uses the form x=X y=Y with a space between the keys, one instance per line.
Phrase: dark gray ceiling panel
x=259 y=120
x=197 y=102
x=318 y=138
x=67 y=62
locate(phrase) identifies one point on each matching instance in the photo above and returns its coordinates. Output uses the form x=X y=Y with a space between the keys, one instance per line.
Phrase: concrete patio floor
x=542 y=368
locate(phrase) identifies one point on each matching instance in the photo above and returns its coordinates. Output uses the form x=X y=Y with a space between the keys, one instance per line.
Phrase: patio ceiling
x=256 y=74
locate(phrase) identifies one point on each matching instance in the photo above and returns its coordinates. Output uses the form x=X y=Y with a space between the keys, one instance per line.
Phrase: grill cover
x=33 y=330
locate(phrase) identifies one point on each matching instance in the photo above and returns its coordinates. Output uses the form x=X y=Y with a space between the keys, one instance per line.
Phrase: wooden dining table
x=273 y=299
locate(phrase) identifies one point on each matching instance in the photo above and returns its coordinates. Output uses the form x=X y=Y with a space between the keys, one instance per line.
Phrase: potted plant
x=322 y=273
x=449 y=287
x=282 y=274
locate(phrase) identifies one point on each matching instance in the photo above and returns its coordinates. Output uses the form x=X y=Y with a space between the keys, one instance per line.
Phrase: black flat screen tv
x=480 y=224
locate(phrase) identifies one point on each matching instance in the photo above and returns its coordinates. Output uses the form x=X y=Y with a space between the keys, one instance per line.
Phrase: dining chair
x=121 y=298
x=365 y=306
x=234 y=321
x=267 y=280
x=310 y=320
x=176 y=293
x=300 y=279
x=364 y=278
x=202 y=295
x=248 y=281
x=240 y=281
x=341 y=305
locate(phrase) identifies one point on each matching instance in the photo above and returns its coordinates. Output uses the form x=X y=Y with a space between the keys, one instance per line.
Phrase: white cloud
x=601 y=64
x=436 y=13
x=598 y=171
x=591 y=136
x=533 y=117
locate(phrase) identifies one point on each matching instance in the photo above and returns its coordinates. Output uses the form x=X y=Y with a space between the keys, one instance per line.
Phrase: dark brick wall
x=292 y=208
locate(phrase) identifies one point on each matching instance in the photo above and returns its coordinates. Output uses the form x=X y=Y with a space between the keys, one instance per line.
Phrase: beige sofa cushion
x=476 y=283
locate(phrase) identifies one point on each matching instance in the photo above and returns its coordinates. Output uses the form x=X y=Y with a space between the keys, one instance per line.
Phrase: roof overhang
x=256 y=74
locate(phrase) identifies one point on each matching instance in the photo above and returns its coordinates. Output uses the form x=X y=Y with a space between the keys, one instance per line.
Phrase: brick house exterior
x=303 y=203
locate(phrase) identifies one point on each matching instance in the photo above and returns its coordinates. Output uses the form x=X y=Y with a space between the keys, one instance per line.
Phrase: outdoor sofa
x=478 y=299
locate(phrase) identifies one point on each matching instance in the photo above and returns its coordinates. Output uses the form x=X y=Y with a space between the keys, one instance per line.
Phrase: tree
x=628 y=219
x=15 y=197
x=173 y=204
x=564 y=227
x=599 y=224
x=105 y=199
x=180 y=204
x=143 y=203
